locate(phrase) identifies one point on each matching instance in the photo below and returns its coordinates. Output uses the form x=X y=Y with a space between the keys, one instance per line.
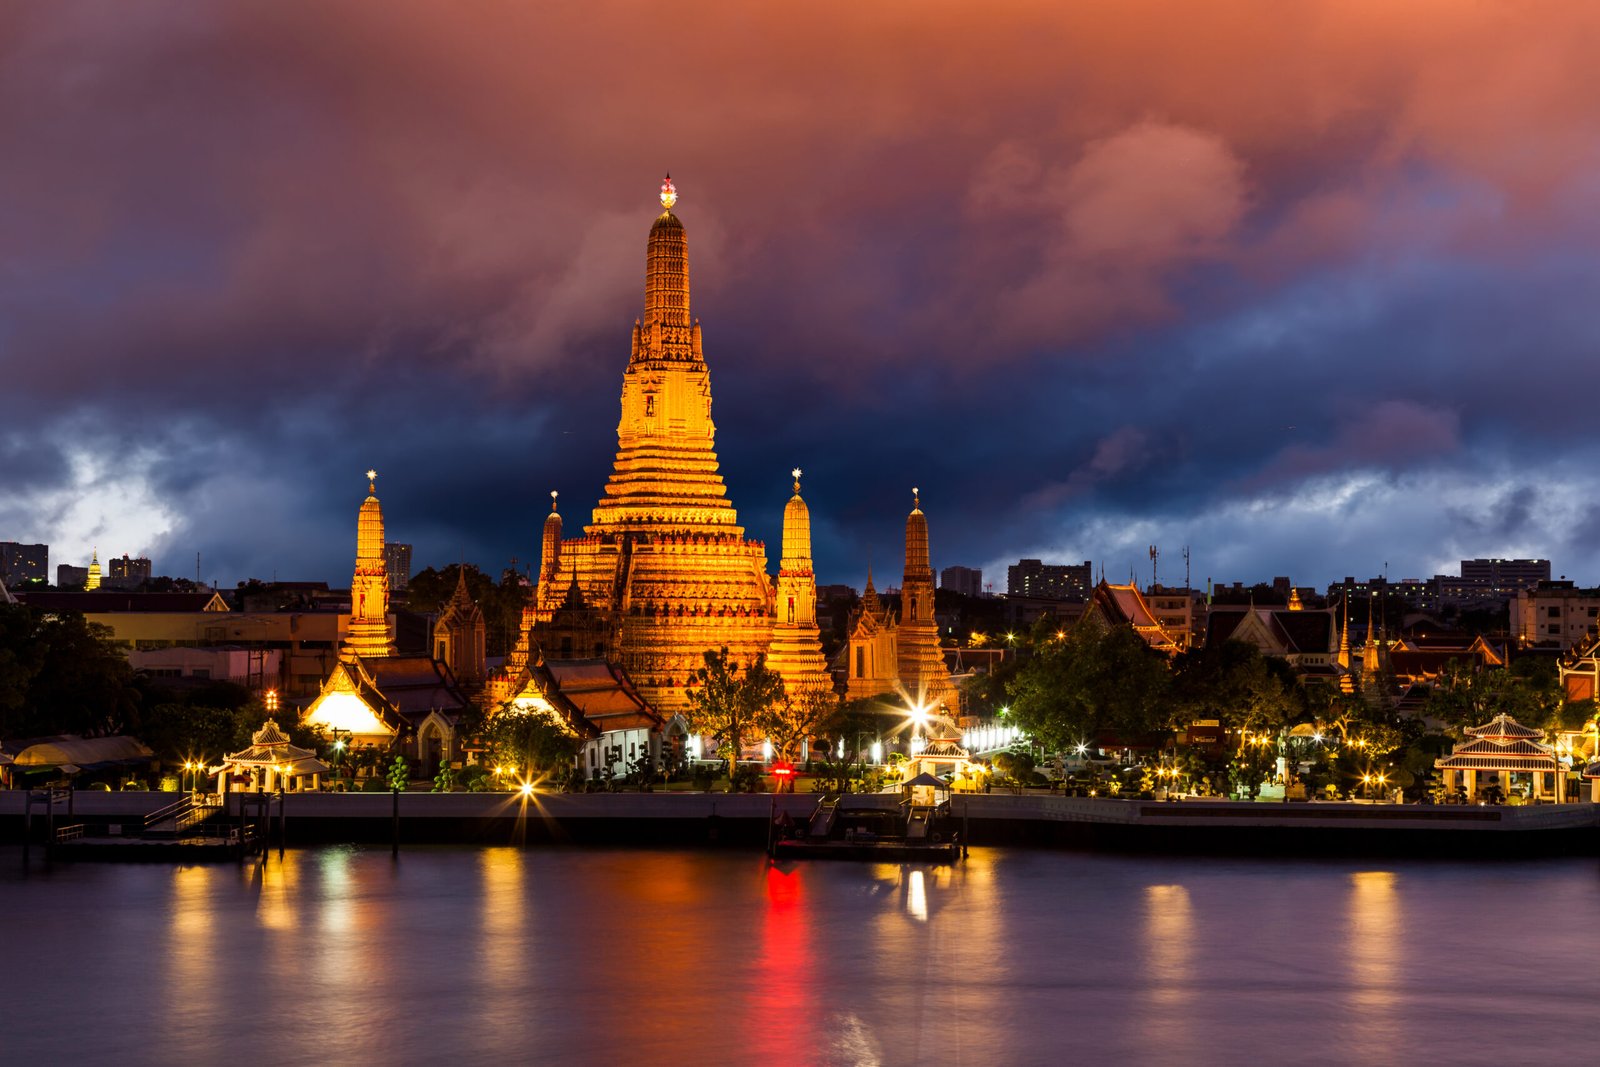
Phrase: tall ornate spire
x=667 y=332
x=666 y=462
x=796 y=650
x=550 y=546
x=92 y=582
x=922 y=667
x=369 y=634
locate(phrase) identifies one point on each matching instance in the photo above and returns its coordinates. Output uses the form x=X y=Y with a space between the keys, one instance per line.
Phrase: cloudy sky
x=1309 y=287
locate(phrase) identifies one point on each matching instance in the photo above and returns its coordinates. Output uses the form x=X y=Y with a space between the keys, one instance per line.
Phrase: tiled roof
x=1503 y=725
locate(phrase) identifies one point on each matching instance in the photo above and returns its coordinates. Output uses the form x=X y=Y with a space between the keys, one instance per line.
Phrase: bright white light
x=917 y=897
x=766 y=751
x=877 y=752
x=918 y=743
x=841 y=748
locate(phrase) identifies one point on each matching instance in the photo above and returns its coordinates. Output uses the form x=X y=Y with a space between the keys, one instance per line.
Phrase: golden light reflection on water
x=279 y=883
x=500 y=932
x=1373 y=940
x=1169 y=944
x=191 y=942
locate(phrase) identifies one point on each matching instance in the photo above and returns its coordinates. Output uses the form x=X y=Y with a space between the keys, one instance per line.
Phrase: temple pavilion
x=1504 y=747
x=271 y=763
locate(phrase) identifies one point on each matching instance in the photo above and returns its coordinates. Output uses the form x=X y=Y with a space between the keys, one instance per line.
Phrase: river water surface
x=469 y=956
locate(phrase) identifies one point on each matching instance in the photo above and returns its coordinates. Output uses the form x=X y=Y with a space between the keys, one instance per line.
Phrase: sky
x=1312 y=289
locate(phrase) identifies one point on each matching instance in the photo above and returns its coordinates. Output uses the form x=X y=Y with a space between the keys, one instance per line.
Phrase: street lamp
x=272 y=701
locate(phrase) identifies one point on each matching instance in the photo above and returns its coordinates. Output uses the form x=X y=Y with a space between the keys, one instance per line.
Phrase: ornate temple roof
x=1502 y=744
x=270 y=747
x=1503 y=726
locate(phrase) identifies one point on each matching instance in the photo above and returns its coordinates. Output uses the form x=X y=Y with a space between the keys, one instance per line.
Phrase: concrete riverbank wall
x=741 y=820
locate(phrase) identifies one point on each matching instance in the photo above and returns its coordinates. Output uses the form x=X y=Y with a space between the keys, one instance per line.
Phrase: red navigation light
x=783 y=770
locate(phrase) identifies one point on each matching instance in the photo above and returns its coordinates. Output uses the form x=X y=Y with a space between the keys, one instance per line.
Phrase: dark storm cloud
x=1090 y=275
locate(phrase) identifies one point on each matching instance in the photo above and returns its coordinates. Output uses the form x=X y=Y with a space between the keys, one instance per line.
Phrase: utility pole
x=1186 y=586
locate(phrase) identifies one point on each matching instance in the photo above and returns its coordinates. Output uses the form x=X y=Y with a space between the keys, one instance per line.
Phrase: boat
x=917 y=826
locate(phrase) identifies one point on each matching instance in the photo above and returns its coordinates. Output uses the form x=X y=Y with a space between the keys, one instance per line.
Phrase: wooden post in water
x=394 y=827
x=27 y=825
x=283 y=822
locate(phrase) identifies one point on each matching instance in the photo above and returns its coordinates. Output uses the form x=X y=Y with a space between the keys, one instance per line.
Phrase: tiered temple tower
x=796 y=651
x=369 y=634
x=663 y=569
x=459 y=635
x=92 y=582
x=922 y=667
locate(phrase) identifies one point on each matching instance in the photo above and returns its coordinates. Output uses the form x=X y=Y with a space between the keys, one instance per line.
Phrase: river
x=566 y=955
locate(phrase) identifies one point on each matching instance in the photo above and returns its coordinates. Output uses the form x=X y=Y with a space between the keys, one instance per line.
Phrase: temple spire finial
x=916 y=497
x=372 y=481
x=669 y=193
x=553 y=494
x=796 y=474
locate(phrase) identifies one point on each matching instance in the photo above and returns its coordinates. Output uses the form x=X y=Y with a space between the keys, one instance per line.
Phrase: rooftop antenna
x=1155 y=553
x=1186 y=586
x=197 y=568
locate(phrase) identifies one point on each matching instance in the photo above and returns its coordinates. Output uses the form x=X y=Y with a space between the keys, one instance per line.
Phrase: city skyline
x=1302 y=299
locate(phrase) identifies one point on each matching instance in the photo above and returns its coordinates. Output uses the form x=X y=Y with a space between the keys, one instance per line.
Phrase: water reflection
x=1373 y=948
x=782 y=1006
x=1169 y=938
x=191 y=946
x=590 y=955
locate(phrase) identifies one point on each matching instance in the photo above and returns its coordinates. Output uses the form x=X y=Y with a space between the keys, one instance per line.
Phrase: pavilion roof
x=1489 y=754
x=1503 y=726
x=269 y=746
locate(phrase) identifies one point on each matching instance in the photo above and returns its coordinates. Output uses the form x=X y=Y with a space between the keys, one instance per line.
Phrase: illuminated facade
x=796 y=649
x=92 y=580
x=901 y=655
x=369 y=634
x=374 y=696
x=663 y=571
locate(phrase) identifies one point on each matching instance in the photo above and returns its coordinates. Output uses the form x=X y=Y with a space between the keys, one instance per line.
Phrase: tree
x=535 y=741
x=1468 y=695
x=728 y=705
x=795 y=718
x=1235 y=684
x=61 y=674
x=1094 y=678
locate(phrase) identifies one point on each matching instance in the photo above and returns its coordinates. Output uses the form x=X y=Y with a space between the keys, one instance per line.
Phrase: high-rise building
x=70 y=577
x=131 y=569
x=968 y=581
x=1505 y=575
x=397 y=562
x=1055 y=581
x=24 y=563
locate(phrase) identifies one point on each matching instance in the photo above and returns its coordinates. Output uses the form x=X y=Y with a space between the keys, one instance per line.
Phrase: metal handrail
x=174 y=810
x=69 y=833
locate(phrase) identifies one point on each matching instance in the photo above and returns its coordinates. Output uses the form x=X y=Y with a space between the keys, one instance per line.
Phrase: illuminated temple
x=663 y=571
x=901 y=655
